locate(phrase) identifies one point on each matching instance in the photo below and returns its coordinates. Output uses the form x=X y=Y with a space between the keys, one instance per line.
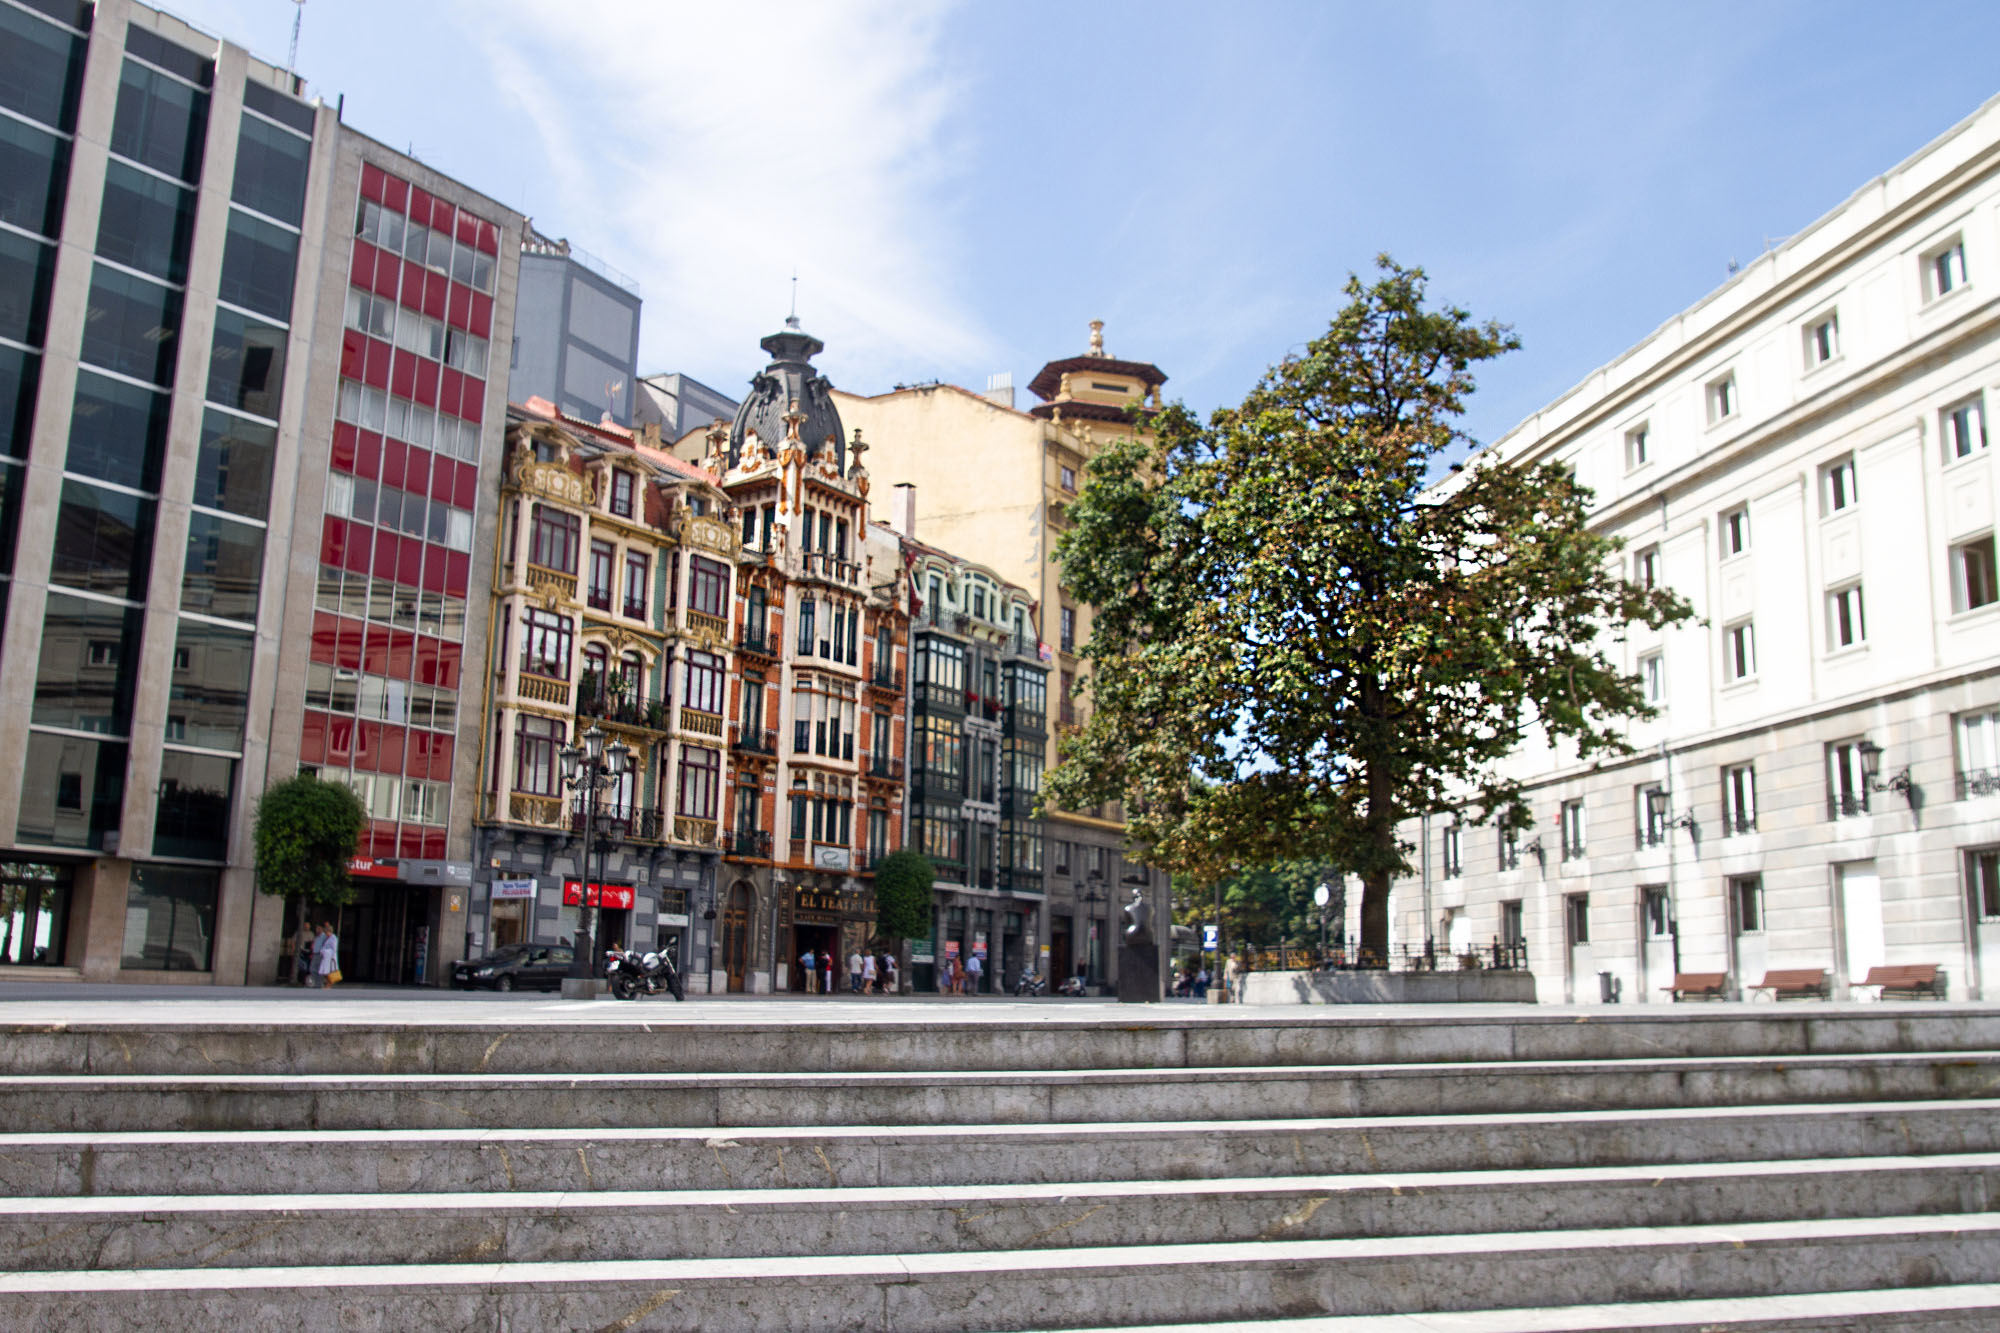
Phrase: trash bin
x=1608 y=987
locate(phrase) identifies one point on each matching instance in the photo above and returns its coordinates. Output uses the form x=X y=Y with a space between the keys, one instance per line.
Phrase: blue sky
x=963 y=186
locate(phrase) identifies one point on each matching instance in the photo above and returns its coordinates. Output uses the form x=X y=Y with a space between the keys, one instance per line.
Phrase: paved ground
x=72 y=1002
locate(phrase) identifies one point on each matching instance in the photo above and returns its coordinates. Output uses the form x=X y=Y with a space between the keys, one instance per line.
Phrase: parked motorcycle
x=1031 y=982
x=633 y=974
x=1072 y=986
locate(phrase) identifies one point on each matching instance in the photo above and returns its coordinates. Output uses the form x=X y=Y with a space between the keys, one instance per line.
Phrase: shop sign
x=366 y=868
x=951 y=951
x=832 y=858
x=601 y=895
x=924 y=957
x=828 y=900
x=673 y=918
x=513 y=888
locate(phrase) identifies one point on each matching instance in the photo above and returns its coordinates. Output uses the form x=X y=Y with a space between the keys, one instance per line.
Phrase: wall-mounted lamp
x=1657 y=812
x=1871 y=768
x=1533 y=847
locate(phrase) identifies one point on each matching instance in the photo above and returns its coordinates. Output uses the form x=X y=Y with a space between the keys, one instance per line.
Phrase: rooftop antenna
x=794 y=317
x=298 y=17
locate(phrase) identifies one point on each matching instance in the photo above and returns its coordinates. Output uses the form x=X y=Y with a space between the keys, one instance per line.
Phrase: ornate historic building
x=818 y=715
x=979 y=735
x=614 y=576
x=993 y=484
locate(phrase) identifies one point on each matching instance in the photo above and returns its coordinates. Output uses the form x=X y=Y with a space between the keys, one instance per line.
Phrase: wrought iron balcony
x=749 y=842
x=752 y=740
x=757 y=640
x=628 y=822
x=1846 y=805
x=884 y=766
x=1978 y=782
x=883 y=678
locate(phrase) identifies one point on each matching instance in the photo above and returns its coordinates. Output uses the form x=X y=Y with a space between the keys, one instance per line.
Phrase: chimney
x=1000 y=388
x=903 y=512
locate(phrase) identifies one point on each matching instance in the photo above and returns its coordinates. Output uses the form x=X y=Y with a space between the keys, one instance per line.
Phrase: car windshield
x=505 y=955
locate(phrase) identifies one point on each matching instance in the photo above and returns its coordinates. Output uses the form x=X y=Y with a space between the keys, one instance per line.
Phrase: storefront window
x=170 y=918
x=192 y=818
x=34 y=913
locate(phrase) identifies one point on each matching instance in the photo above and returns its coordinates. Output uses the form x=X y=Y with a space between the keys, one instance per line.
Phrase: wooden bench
x=1795 y=983
x=1908 y=981
x=1698 y=985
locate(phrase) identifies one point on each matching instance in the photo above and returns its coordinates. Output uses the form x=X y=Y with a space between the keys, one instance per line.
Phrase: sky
x=961 y=187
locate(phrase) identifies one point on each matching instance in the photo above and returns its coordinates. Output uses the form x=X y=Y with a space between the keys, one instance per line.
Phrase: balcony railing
x=708 y=624
x=1737 y=822
x=757 y=640
x=885 y=679
x=749 y=842
x=622 y=709
x=543 y=579
x=1499 y=956
x=1068 y=715
x=701 y=724
x=635 y=609
x=752 y=740
x=824 y=565
x=884 y=766
x=1978 y=782
x=622 y=821
x=699 y=832
x=542 y=690
x=599 y=599
x=1846 y=805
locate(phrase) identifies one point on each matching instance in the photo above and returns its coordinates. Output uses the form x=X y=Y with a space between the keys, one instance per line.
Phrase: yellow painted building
x=992 y=484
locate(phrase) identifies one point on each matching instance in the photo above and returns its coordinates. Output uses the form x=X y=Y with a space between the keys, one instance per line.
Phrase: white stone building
x=1805 y=455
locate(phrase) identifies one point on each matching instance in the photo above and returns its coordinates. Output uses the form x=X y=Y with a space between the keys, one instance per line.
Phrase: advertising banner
x=601 y=895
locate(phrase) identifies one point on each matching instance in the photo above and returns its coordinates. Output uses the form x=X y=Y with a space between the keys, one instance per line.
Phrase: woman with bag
x=326 y=955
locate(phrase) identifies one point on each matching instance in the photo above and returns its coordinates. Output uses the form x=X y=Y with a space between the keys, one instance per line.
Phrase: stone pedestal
x=1139 y=971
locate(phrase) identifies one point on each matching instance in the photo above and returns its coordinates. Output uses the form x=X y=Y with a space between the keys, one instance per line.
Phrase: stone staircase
x=1718 y=1168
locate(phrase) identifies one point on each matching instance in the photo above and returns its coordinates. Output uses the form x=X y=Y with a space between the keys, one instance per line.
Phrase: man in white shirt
x=974 y=966
x=854 y=971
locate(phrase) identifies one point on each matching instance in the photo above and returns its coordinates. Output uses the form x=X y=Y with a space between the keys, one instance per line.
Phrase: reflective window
x=104 y=541
x=277 y=106
x=26 y=269
x=225 y=562
x=155 y=49
x=246 y=368
x=170 y=918
x=41 y=67
x=118 y=432
x=32 y=163
x=192 y=818
x=34 y=913
x=131 y=326
x=210 y=693
x=271 y=170
x=258 y=261
x=90 y=652
x=18 y=373
x=146 y=223
x=72 y=790
x=12 y=479
x=160 y=122
x=233 y=467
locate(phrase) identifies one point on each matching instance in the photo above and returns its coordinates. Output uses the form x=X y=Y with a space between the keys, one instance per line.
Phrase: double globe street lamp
x=588 y=769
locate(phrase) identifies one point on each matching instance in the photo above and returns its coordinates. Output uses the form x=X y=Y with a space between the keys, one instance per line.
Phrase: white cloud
x=710 y=148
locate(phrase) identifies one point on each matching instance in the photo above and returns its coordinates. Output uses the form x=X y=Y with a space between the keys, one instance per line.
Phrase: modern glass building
x=178 y=251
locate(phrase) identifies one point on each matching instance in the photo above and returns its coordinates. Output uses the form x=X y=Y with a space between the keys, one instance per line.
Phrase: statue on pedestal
x=1138 y=954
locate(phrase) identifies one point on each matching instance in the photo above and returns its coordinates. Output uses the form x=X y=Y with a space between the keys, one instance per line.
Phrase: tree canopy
x=1298 y=642
x=306 y=835
x=903 y=895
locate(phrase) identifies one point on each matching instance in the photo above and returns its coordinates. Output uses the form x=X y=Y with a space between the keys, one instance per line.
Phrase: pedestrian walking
x=889 y=971
x=302 y=955
x=326 y=955
x=854 y=972
x=826 y=971
x=1234 y=972
x=868 y=973
x=975 y=967
x=810 y=967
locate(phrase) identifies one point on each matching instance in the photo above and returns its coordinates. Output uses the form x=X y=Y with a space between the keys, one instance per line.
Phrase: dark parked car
x=516 y=967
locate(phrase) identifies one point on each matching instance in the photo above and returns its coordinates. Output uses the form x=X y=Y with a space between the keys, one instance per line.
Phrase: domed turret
x=789 y=379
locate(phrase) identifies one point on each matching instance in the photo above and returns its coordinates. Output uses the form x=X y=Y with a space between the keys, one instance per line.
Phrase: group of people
x=960 y=975
x=1193 y=980
x=315 y=955
x=867 y=973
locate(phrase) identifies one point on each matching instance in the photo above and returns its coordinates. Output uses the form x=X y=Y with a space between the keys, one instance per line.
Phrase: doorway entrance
x=1657 y=964
x=823 y=938
x=1858 y=908
x=1576 y=931
x=384 y=933
x=736 y=915
x=1982 y=883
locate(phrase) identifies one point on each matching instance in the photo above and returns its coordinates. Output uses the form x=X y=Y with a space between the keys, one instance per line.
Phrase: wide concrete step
x=529 y=1039
x=223 y=1102
x=1083 y=1287
x=1968 y=1308
x=615 y=1224
x=471 y=1160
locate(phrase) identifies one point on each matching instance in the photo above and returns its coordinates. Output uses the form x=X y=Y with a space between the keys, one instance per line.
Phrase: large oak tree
x=1298 y=642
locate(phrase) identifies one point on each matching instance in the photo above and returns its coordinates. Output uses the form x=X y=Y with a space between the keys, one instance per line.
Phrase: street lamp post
x=587 y=770
x=1659 y=809
x=1093 y=896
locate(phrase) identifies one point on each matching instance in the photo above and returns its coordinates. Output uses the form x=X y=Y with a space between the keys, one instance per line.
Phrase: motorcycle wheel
x=674 y=984
x=624 y=988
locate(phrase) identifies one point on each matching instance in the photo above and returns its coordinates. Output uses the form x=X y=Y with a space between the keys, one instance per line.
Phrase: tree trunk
x=1375 y=917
